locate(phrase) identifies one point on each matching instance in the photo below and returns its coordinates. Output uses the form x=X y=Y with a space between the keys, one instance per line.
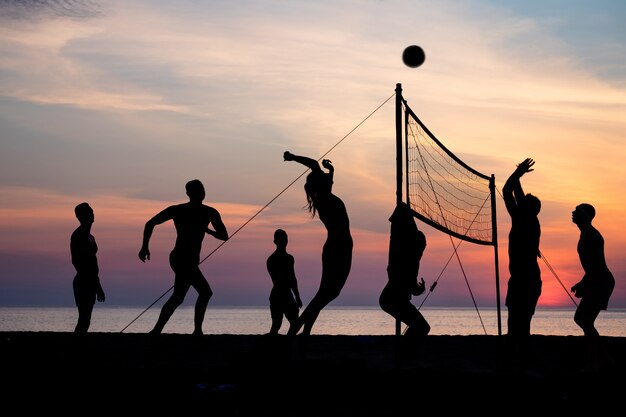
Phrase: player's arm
x=326 y=163
x=294 y=284
x=310 y=163
x=159 y=218
x=219 y=229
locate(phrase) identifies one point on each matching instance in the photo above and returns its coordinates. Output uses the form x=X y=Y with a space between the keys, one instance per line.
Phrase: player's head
x=317 y=183
x=195 y=190
x=280 y=237
x=532 y=204
x=588 y=210
x=84 y=213
x=584 y=213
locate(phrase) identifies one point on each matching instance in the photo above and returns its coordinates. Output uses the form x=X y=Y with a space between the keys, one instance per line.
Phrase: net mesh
x=442 y=190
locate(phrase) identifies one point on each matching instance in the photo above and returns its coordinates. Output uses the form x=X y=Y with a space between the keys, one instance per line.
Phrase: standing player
x=284 y=296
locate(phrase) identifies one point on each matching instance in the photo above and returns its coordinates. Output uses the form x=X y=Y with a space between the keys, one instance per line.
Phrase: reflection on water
x=331 y=321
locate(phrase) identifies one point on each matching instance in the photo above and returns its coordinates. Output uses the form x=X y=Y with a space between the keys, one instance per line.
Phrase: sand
x=258 y=375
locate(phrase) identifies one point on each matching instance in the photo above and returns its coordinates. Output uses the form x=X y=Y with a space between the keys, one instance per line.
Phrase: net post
x=494 y=241
x=399 y=126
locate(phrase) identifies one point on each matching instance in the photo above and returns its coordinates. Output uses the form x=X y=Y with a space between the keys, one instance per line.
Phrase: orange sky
x=120 y=104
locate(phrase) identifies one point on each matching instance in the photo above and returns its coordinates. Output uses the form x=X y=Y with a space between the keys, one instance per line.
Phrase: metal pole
x=398 y=143
x=398 y=164
x=494 y=227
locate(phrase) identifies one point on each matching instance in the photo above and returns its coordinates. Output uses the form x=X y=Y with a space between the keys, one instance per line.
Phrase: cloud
x=122 y=102
x=29 y=9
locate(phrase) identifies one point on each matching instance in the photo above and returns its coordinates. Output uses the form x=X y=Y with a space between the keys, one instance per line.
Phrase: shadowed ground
x=259 y=375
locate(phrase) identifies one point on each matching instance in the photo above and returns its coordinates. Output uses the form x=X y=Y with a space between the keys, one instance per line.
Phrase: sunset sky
x=120 y=103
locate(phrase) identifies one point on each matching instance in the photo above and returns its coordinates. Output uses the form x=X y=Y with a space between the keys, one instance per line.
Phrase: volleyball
x=413 y=56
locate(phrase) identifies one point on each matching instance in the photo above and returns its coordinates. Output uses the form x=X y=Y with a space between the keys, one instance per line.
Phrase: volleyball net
x=442 y=190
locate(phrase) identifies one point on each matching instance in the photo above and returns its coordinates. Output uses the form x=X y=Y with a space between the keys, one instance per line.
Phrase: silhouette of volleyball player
x=406 y=247
x=524 y=286
x=86 y=283
x=191 y=220
x=284 y=296
x=337 y=250
x=595 y=287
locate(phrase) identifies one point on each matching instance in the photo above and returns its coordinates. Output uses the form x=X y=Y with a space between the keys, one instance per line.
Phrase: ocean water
x=331 y=321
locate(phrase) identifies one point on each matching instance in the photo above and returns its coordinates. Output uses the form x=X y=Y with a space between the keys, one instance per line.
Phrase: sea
x=333 y=320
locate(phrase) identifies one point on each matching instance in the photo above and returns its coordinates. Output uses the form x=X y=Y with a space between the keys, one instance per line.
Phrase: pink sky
x=119 y=104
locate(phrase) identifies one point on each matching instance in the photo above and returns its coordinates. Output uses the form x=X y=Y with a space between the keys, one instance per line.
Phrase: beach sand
x=259 y=375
